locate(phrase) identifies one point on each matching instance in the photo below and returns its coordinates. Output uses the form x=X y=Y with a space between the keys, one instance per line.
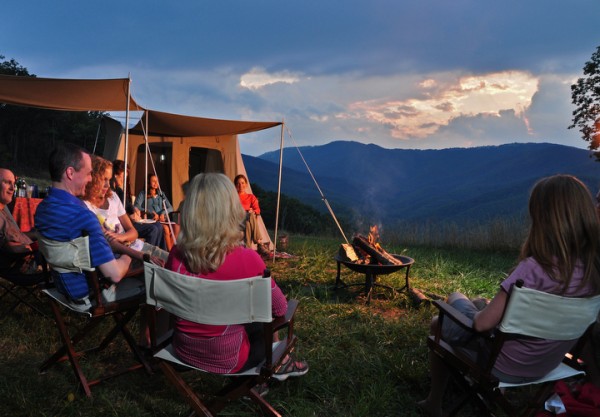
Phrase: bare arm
x=489 y=317
x=116 y=269
x=130 y=233
x=118 y=247
x=16 y=247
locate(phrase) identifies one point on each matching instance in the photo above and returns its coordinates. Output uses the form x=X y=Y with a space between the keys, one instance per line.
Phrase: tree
x=12 y=67
x=585 y=95
x=27 y=134
x=295 y=216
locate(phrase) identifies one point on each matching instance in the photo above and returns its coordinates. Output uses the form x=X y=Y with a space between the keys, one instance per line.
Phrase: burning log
x=375 y=251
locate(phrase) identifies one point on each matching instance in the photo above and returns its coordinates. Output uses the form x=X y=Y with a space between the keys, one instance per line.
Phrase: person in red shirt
x=250 y=204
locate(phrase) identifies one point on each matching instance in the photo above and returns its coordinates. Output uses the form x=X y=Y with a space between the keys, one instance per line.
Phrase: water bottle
x=23 y=188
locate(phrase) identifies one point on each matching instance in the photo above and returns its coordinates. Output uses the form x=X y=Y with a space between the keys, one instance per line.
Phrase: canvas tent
x=181 y=147
x=194 y=143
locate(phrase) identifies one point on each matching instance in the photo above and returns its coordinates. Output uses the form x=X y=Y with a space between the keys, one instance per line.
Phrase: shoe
x=263 y=249
x=261 y=389
x=291 y=368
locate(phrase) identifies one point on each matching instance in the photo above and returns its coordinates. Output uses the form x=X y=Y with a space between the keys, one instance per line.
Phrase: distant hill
x=396 y=185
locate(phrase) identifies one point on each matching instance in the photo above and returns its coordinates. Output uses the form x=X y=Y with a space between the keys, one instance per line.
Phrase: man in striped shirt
x=62 y=216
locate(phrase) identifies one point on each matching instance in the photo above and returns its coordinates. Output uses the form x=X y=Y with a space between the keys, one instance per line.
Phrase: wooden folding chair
x=101 y=305
x=528 y=313
x=221 y=303
x=23 y=289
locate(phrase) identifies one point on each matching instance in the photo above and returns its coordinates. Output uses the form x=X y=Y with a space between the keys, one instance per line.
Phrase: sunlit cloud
x=258 y=78
x=440 y=103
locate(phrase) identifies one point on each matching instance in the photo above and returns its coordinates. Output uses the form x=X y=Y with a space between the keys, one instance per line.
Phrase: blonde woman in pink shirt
x=210 y=246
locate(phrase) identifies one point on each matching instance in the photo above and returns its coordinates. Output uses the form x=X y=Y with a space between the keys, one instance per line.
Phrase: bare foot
x=428 y=409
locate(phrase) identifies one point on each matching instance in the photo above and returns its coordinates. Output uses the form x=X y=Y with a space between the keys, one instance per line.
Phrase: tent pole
x=278 y=189
x=146 y=166
x=126 y=140
x=97 y=135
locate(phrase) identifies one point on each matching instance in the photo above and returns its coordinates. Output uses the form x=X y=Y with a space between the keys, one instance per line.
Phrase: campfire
x=367 y=251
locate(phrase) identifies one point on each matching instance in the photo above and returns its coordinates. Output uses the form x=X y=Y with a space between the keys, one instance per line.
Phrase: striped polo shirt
x=64 y=217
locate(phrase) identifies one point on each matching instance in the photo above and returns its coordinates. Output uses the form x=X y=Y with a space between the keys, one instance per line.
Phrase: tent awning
x=66 y=94
x=175 y=125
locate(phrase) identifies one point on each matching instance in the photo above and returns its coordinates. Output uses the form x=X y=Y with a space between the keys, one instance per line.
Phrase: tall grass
x=364 y=359
x=503 y=233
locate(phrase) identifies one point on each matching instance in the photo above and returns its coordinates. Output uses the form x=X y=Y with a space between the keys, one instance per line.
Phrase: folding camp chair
x=221 y=303
x=101 y=304
x=23 y=289
x=528 y=313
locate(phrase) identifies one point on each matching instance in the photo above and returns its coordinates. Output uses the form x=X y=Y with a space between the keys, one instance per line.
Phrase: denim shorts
x=453 y=333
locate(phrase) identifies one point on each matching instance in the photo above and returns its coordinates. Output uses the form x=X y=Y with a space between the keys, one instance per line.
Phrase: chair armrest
x=446 y=310
x=455 y=315
x=274 y=359
x=283 y=321
x=93 y=279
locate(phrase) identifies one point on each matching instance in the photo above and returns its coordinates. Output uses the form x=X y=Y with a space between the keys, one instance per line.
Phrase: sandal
x=291 y=368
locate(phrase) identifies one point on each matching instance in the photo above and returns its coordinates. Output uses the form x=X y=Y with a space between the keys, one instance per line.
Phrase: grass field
x=364 y=359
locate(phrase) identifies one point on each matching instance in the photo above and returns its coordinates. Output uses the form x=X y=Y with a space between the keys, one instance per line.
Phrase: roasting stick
x=318 y=188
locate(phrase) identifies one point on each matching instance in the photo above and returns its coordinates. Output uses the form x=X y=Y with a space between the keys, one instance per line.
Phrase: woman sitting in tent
x=250 y=204
x=156 y=205
x=111 y=214
x=151 y=233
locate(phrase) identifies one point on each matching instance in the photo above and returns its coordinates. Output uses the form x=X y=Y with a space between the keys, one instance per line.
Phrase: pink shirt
x=220 y=349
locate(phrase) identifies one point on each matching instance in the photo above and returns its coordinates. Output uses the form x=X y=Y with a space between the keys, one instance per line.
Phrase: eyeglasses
x=9 y=183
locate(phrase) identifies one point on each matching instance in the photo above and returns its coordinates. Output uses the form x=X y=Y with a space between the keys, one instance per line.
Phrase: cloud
x=258 y=78
x=412 y=110
x=551 y=111
x=469 y=95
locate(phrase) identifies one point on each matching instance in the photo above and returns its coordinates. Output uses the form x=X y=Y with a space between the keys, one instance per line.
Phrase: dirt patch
x=387 y=312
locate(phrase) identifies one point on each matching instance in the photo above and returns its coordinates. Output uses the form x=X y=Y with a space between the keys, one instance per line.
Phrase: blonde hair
x=93 y=188
x=211 y=222
x=564 y=230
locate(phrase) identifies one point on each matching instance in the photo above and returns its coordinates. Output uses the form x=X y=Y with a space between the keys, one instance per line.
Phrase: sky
x=427 y=74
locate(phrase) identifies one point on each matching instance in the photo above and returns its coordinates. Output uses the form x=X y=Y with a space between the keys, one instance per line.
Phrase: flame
x=373 y=237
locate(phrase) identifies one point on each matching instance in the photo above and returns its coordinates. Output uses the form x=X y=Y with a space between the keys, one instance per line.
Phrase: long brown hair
x=93 y=188
x=564 y=230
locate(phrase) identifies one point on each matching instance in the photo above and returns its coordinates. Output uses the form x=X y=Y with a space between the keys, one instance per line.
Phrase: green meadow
x=364 y=359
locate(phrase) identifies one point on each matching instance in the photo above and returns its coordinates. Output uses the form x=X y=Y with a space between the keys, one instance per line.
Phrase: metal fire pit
x=371 y=272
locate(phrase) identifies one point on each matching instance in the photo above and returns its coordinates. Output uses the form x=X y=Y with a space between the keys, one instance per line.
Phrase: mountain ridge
x=393 y=185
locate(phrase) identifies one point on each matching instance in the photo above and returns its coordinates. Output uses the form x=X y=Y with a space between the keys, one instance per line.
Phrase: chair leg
x=121 y=327
x=20 y=299
x=69 y=349
x=265 y=407
x=185 y=390
x=60 y=354
x=234 y=390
